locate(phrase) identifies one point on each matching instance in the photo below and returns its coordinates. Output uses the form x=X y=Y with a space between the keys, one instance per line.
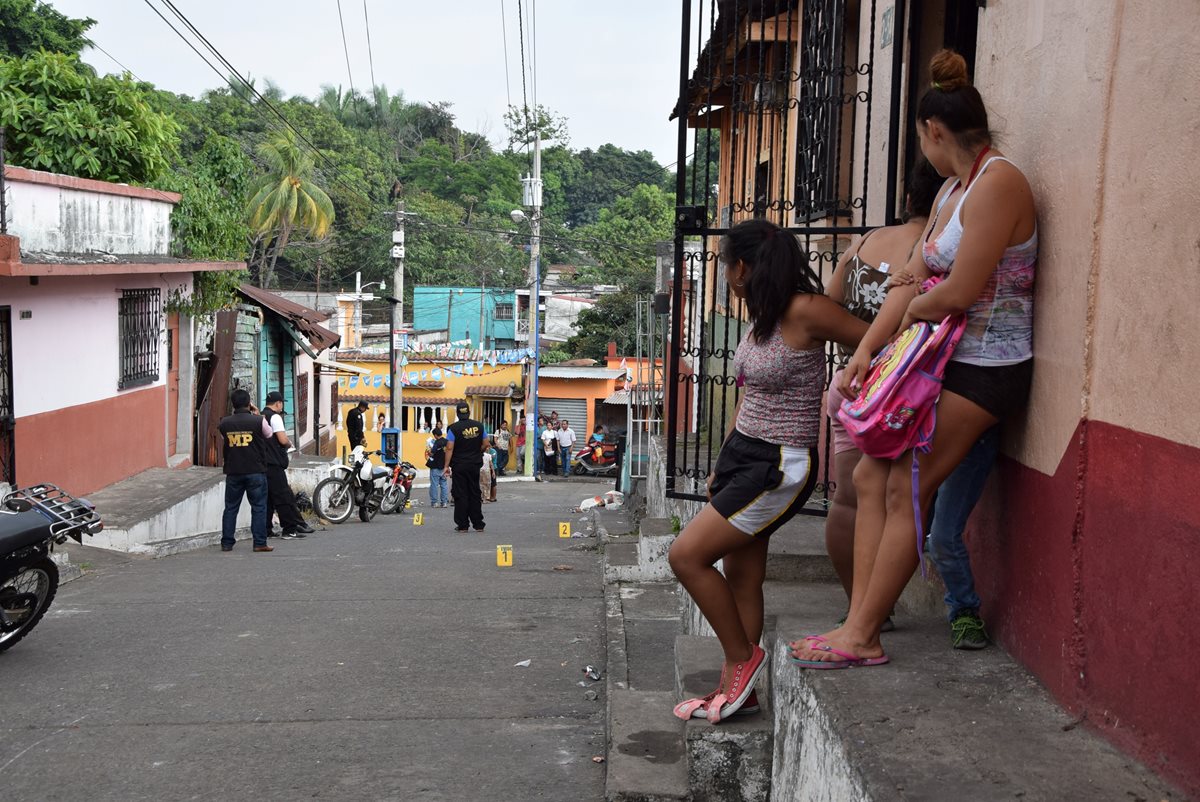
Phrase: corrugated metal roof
x=301 y=318
x=564 y=372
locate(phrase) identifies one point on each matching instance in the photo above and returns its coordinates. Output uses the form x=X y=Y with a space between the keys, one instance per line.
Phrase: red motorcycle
x=398 y=488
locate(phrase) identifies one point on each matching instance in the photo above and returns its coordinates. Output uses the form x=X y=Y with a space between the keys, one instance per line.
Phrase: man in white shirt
x=279 y=493
x=566 y=441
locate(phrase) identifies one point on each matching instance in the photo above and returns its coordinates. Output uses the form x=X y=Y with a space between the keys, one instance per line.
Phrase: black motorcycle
x=32 y=520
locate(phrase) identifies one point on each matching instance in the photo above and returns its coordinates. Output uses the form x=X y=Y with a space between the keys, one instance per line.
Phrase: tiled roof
x=491 y=390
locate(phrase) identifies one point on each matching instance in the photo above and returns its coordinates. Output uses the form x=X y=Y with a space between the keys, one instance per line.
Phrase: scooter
x=360 y=484
x=32 y=520
x=597 y=459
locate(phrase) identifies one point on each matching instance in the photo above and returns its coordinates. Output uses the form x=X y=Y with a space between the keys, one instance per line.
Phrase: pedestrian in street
x=549 y=450
x=355 y=426
x=244 y=448
x=566 y=442
x=519 y=439
x=539 y=453
x=466 y=439
x=502 y=440
x=487 y=473
x=435 y=461
x=280 y=498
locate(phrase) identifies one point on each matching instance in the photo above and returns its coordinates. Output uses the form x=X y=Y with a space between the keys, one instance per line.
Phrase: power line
x=345 y=47
x=504 y=39
x=371 y=59
x=521 y=34
x=245 y=82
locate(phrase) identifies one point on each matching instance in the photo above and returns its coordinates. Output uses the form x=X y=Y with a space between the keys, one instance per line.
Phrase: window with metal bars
x=820 y=102
x=504 y=311
x=140 y=319
x=302 y=403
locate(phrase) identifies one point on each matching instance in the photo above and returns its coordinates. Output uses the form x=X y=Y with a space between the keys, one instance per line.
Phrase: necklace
x=975 y=166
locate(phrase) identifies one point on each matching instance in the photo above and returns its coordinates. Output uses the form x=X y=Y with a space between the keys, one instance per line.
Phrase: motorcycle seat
x=21 y=529
x=377 y=472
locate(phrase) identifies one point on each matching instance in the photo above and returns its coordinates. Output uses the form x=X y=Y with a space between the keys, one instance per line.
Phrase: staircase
x=935 y=724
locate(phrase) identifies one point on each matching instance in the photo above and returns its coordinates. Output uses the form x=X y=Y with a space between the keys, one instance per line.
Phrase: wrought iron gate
x=8 y=469
x=786 y=92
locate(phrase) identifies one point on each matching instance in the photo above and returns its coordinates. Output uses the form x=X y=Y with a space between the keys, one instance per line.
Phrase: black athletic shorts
x=759 y=486
x=1001 y=390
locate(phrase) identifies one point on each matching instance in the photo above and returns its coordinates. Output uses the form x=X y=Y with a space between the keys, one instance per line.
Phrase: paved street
x=369 y=661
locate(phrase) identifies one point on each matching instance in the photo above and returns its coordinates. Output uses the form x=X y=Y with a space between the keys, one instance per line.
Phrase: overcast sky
x=610 y=67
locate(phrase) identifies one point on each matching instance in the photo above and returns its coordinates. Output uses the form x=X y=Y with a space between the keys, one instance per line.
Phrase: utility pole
x=533 y=199
x=397 y=405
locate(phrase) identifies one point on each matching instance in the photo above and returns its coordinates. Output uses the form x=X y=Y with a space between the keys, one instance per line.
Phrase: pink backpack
x=897 y=407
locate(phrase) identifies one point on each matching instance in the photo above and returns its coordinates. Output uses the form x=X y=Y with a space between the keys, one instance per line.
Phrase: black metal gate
x=8 y=468
x=785 y=91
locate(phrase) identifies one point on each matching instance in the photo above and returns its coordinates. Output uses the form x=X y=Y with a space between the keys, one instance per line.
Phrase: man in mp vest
x=465 y=441
x=245 y=436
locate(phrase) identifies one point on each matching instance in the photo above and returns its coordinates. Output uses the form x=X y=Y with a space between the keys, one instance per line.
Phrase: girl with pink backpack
x=981 y=243
x=767 y=466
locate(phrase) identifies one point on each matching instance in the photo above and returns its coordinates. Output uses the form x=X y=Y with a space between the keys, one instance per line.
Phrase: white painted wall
x=67 y=352
x=561 y=316
x=63 y=220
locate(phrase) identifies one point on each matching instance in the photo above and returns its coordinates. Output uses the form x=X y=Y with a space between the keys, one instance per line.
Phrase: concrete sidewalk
x=368 y=661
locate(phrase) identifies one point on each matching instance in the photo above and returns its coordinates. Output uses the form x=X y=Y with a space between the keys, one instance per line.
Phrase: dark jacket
x=467 y=436
x=354 y=426
x=245 y=445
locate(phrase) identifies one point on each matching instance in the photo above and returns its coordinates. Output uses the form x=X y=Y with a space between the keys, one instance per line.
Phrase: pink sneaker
x=741 y=685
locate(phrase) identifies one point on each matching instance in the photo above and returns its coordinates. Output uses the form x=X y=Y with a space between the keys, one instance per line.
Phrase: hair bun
x=948 y=71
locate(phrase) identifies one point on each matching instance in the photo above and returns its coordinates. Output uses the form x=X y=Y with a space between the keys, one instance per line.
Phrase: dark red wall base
x=1091 y=578
x=89 y=446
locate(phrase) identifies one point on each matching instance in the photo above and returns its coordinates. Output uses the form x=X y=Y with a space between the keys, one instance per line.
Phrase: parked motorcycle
x=32 y=520
x=360 y=484
x=398 y=489
x=596 y=459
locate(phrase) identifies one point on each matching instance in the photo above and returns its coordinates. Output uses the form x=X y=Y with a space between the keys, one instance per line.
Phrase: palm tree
x=285 y=201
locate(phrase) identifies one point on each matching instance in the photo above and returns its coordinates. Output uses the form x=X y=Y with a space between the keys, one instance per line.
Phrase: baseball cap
x=273 y=397
x=463 y=409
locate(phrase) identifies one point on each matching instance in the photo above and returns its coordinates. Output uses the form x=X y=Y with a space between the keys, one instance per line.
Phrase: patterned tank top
x=1000 y=323
x=864 y=289
x=781 y=386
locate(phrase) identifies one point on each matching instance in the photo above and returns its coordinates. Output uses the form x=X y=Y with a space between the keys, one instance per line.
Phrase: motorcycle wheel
x=367 y=510
x=579 y=469
x=26 y=597
x=333 y=500
x=393 y=499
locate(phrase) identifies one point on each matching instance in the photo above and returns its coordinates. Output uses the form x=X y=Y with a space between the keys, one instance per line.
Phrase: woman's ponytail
x=777 y=271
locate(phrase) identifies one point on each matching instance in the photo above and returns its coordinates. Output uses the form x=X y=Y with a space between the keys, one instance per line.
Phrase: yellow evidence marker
x=504 y=556
x=564 y=529
x=419 y=519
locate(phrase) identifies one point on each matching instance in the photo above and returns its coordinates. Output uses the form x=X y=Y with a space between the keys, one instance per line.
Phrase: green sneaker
x=967 y=632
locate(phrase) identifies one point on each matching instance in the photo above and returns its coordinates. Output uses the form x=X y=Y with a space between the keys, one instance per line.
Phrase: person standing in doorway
x=435 y=461
x=502 y=440
x=566 y=441
x=244 y=437
x=279 y=493
x=466 y=439
x=355 y=427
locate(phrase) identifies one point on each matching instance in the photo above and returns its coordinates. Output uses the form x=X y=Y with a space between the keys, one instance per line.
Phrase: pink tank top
x=782 y=388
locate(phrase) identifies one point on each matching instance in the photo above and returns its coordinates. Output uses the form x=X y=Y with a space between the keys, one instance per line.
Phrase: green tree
x=27 y=26
x=283 y=201
x=60 y=117
x=522 y=124
x=611 y=319
x=623 y=239
x=606 y=174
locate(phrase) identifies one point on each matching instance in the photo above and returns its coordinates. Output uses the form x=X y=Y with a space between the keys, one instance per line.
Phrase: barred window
x=504 y=311
x=820 y=101
x=140 y=319
x=302 y=403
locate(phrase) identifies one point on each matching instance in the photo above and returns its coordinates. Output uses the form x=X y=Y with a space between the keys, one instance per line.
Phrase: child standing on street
x=767 y=466
x=487 y=473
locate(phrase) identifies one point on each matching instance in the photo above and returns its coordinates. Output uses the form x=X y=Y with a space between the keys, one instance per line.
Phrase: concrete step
x=732 y=760
x=646 y=759
x=934 y=724
x=798 y=553
x=637 y=555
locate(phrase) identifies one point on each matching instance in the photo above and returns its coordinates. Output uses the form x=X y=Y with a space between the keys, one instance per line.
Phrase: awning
x=339 y=367
x=299 y=321
x=622 y=397
x=491 y=391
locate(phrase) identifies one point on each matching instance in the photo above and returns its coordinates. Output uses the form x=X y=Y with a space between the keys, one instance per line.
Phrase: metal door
x=780 y=116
